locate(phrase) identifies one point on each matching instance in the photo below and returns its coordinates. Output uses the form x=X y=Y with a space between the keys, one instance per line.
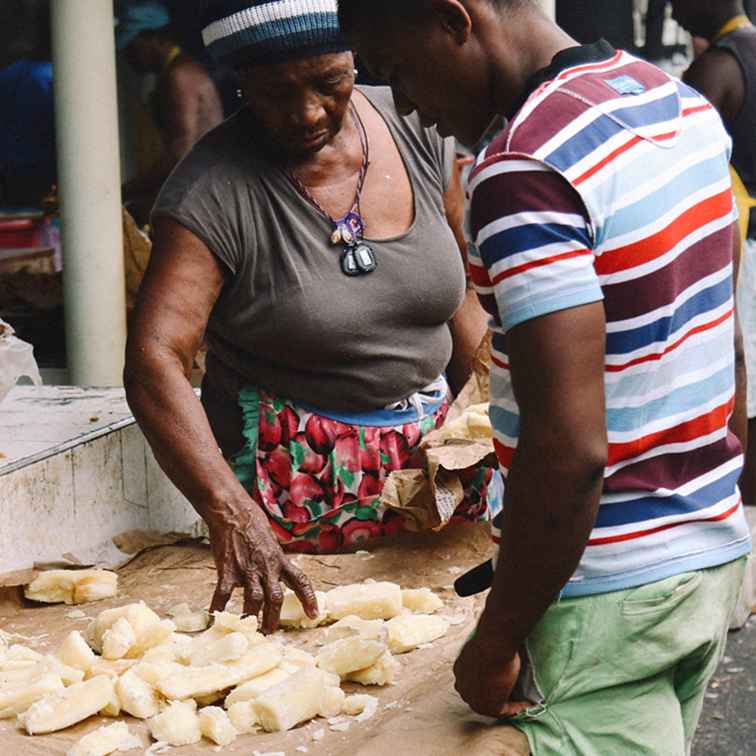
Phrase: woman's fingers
x=274 y=597
x=301 y=585
x=254 y=596
x=223 y=590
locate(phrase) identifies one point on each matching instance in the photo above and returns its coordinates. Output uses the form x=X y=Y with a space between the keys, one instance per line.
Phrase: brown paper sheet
x=428 y=496
x=421 y=714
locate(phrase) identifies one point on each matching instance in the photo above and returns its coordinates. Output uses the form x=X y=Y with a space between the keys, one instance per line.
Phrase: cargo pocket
x=662 y=596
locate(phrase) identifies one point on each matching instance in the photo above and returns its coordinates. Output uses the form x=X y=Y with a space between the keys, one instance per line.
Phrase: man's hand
x=249 y=557
x=485 y=679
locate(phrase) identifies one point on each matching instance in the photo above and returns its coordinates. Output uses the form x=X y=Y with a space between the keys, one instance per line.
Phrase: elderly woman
x=314 y=240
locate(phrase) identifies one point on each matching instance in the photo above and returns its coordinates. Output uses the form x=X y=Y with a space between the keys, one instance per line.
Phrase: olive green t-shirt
x=288 y=320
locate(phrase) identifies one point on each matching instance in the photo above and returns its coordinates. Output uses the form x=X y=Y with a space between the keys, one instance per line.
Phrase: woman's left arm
x=470 y=323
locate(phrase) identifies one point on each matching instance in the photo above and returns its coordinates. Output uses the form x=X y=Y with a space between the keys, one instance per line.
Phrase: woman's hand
x=248 y=556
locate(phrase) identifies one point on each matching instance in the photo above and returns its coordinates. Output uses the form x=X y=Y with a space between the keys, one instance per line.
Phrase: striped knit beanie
x=265 y=31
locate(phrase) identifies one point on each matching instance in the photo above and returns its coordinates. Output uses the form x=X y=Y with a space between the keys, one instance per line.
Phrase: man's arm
x=553 y=491
x=717 y=75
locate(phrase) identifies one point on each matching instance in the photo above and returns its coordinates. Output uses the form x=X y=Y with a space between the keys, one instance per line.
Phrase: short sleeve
x=203 y=195
x=533 y=252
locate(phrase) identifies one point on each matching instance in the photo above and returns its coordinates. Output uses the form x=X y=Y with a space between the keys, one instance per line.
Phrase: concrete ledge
x=75 y=471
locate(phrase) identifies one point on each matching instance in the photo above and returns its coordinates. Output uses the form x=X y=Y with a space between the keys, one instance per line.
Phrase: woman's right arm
x=180 y=289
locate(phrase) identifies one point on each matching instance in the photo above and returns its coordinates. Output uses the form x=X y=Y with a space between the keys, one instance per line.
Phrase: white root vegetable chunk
x=68 y=707
x=333 y=702
x=118 y=640
x=412 y=630
x=72 y=586
x=298 y=699
x=216 y=726
x=136 y=696
x=296 y=657
x=113 y=669
x=18 y=653
x=366 y=600
x=75 y=652
x=225 y=623
x=293 y=614
x=255 y=687
x=362 y=706
x=188 y=620
x=69 y=675
x=149 y=630
x=16 y=699
x=421 y=600
x=228 y=648
x=106 y=740
x=244 y=717
x=349 y=654
x=192 y=682
x=383 y=672
x=177 y=725
x=353 y=625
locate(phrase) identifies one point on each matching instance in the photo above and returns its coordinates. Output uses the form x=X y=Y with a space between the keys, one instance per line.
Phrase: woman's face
x=300 y=104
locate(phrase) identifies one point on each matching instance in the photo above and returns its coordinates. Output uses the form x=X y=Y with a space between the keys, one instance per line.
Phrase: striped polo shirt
x=611 y=184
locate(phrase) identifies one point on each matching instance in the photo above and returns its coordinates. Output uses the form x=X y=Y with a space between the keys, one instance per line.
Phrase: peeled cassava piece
x=187 y=620
x=106 y=740
x=148 y=630
x=368 y=601
x=300 y=698
x=408 y=632
x=75 y=652
x=383 y=672
x=192 y=682
x=177 y=725
x=72 y=586
x=68 y=707
x=226 y=649
x=243 y=717
x=421 y=600
x=17 y=698
x=255 y=687
x=352 y=625
x=293 y=614
x=136 y=696
x=216 y=726
x=349 y=655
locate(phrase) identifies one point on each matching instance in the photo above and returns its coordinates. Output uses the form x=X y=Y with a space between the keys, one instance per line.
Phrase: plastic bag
x=16 y=361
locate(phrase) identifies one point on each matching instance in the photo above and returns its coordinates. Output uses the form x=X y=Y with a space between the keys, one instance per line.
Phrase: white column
x=548 y=7
x=89 y=181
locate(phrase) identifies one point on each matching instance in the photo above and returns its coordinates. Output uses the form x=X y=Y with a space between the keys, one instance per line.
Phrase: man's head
x=142 y=34
x=456 y=62
x=704 y=18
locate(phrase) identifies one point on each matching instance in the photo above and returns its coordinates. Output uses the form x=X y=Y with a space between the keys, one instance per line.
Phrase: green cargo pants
x=624 y=673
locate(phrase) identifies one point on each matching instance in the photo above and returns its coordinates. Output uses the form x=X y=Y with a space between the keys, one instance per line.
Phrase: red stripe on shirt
x=651 y=247
x=540 y=263
x=651 y=531
x=505 y=454
x=687 y=431
x=479 y=276
x=671 y=348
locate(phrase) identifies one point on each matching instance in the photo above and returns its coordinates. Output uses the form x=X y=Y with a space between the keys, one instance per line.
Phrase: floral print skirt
x=320 y=480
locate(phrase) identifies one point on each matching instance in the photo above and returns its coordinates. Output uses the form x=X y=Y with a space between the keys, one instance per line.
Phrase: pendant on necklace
x=348 y=229
x=358 y=260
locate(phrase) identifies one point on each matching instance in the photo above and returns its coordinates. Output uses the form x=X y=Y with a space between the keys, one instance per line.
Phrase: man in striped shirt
x=604 y=224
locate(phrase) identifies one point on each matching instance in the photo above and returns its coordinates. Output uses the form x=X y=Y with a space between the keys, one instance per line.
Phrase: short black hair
x=351 y=11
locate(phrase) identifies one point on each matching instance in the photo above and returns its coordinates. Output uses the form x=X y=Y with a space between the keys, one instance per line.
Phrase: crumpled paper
x=429 y=495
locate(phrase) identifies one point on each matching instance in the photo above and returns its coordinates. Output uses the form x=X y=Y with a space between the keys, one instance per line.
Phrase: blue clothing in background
x=27 y=131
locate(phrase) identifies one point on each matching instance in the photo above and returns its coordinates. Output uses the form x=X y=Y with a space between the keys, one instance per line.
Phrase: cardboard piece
x=428 y=496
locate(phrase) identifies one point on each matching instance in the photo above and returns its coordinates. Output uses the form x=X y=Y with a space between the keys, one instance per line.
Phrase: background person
x=313 y=236
x=604 y=221
x=185 y=104
x=726 y=73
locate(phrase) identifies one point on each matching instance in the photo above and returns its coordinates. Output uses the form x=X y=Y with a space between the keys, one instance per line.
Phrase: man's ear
x=454 y=18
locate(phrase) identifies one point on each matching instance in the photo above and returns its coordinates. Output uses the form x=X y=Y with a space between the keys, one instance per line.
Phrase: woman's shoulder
x=427 y=145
